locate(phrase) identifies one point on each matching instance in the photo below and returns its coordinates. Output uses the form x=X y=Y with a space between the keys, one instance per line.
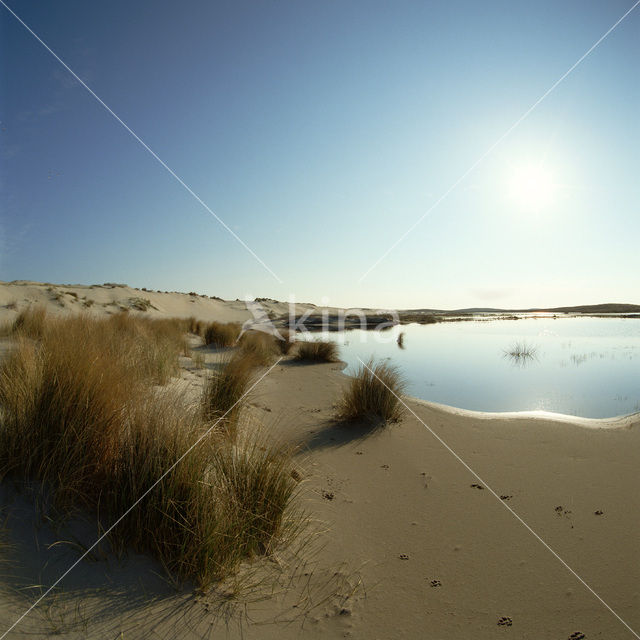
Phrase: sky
x=321 y=133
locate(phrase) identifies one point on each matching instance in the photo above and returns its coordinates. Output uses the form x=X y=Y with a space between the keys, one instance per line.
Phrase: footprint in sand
x=505 y=621
x=475 y=485
x=384 y=466
x=598 y=512
x=404 y=556
x=328 y=495
x=505 y=497
x=577 y=635
x=435 y=583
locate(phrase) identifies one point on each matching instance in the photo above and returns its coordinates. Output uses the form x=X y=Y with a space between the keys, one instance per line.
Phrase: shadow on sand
x=105 y=593
x=334 y=433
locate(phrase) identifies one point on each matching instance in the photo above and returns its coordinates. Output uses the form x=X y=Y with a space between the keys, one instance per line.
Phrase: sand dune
x=111 y=298
x=435 y=527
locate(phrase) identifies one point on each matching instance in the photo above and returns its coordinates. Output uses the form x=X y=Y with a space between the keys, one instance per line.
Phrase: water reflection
x=521 y=354
x=584 y=366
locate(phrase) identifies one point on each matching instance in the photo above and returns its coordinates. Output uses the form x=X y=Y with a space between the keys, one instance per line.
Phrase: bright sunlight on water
x=588 y=367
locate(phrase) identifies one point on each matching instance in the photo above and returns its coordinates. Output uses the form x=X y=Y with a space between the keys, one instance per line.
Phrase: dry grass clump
x=62 y=397
x=195 y=326
x=30 y=322
x=373 y=394
x=287 y=343
x=224 y=392
x=221 y=334
x=318 y=351
x=223 y=503
x=80 y=414
x=259 y=483
x=261 y=348
x=153 y=344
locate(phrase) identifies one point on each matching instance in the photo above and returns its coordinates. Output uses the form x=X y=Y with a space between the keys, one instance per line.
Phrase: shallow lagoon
x=583 y=366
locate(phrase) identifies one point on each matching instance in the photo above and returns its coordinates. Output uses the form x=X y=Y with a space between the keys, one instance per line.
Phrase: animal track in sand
x=384 y=466
x=435 y=583
x=506 y=497
x=403 y=556
x=505 y=621
x=475 y=485
x=598 y=512
x=577 y=635
x=328 y=495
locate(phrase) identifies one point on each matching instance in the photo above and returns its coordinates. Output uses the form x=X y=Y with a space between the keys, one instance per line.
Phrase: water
x=588 y=367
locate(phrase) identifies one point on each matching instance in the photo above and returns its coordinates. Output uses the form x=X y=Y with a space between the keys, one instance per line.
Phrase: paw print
x=505 y=621
x=435 y=583
x=403 y=556
x=328 y=495
x=475 y=485
x=577 y=635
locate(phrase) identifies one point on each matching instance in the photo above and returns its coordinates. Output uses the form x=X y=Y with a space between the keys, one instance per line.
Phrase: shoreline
x=624 y=421
x=616 y=422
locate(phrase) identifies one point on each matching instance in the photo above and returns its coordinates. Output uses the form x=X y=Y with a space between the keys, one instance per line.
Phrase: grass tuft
x=373 y=394
x=195 y=326
x=288 y=342
x=30 y=322
x=221 y=334
x=317 y=351
x=224 y=392
x=521 y=350
x=81 y=415
x=260 y=348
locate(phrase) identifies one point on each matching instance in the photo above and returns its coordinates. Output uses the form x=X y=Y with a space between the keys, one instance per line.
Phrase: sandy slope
x=407 y=545
x=112 y=298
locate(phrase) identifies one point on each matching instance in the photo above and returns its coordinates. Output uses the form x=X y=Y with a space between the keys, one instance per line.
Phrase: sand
x=112 y=298
x=409 y=537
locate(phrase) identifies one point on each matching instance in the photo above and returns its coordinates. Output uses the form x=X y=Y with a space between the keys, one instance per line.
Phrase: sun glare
x=532 y=187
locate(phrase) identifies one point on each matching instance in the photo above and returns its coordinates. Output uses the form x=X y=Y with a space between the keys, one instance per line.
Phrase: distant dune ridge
x=109 y=298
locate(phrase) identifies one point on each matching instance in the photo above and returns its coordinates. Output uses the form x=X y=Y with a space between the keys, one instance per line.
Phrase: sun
x=532 y=187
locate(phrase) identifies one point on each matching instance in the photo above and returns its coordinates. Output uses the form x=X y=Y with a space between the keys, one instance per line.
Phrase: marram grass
x=317 y=351
x=373 y=394
x=81 y=413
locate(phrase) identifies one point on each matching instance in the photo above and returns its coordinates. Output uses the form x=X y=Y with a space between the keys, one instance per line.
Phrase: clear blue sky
x=319 y=132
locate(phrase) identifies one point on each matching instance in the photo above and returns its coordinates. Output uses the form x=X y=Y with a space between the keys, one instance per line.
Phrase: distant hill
x=590 y=309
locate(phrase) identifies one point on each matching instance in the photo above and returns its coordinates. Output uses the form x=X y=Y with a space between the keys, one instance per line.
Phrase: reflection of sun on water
x=532 y=187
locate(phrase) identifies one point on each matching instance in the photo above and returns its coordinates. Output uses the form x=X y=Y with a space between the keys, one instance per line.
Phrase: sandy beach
x=448 y=524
